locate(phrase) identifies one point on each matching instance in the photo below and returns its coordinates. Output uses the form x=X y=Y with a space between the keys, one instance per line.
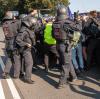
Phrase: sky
x=84 y=5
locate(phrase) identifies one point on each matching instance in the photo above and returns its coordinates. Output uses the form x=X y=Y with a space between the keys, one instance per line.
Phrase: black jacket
x=25 y=36
x=91 y=27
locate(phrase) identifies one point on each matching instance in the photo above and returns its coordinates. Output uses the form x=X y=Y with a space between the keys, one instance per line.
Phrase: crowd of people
x=71 y=45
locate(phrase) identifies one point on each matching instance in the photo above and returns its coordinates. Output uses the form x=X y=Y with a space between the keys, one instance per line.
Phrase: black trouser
x=49 y=51
x=22 y=69
x=34 y=56
x=98 y=54
x=65 y=62
x=40 y=53
x=28 y=60
x=13 y=58
x=91 y=51
x=26 y=65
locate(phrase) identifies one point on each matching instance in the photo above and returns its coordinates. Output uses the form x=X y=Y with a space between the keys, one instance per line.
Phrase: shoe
x=46 y=69
x=15 y=77
x=69 y=79
x=34 y=69
x=82 y=70
x=77 y=71
x=51 y=68
x=21 y=75
x=5 y=75
x=60 y=86
x=29 y=81
x=74 y=79
x=87 y=68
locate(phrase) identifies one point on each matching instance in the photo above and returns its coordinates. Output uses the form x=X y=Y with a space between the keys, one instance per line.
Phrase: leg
x=80 y=57
x=46 y=56
x=71 y=68
x=74 y=60
x=53 y=56
x=17 y=65
x=28 y=65
x=90 y=49
x=7 y=65
x=46 y=61
x=64 y=64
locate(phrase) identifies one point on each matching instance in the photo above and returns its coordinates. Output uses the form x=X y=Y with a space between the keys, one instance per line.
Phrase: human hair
x=93 y=13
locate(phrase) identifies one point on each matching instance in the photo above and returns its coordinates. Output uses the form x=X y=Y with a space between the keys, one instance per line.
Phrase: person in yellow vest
x=49 y=46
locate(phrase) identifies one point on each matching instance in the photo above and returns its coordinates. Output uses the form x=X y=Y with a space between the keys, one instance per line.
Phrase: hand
x=29 y=45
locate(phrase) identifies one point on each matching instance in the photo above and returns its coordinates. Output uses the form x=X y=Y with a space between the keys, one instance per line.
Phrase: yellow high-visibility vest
x=48 y=34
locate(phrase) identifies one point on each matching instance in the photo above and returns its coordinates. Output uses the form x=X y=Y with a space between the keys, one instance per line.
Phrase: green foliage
x=25 y=5
x=42 y=4
x=7 y=5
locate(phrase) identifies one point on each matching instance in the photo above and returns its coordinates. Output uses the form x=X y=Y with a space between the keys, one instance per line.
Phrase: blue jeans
x=77 y=54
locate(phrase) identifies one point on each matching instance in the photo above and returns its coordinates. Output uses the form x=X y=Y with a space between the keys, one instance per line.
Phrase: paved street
x=88 y=87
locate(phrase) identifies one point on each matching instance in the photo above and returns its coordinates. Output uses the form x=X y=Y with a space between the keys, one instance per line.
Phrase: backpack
x=58 y=32
x=93 y=29
x=8 y=29
x=32 y=38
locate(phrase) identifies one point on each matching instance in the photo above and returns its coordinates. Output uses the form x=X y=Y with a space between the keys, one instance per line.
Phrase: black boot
x=77 y=71
x=5 y=75
x=29 y=81
x=46 y=69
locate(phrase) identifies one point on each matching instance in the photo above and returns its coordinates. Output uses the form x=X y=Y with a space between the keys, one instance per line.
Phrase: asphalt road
x=87 y=87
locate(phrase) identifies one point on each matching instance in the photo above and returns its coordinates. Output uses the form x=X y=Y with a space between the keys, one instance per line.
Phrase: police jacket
x=25 y=36
x=63 y=30
x=11 y=28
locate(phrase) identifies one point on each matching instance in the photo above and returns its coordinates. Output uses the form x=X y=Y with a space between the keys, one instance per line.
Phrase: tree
x=24 y=6
x=7 y=5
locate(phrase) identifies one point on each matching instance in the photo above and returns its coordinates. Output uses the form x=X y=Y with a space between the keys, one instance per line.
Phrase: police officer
x=22 y=69
x=25 y=40
x=62 y=32
x=11 y=28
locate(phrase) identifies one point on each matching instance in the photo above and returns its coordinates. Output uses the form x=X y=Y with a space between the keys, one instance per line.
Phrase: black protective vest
x=58 y=32
x=8 y=29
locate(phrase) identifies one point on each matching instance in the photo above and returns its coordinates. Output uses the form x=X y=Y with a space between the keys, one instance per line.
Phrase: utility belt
x=22 y=49
x=64 y=41
x=16 y=52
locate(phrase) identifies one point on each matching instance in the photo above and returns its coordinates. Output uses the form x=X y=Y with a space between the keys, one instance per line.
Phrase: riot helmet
x=30 y=22
x=8 y=15
x=62 y=12
x=22 y=16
